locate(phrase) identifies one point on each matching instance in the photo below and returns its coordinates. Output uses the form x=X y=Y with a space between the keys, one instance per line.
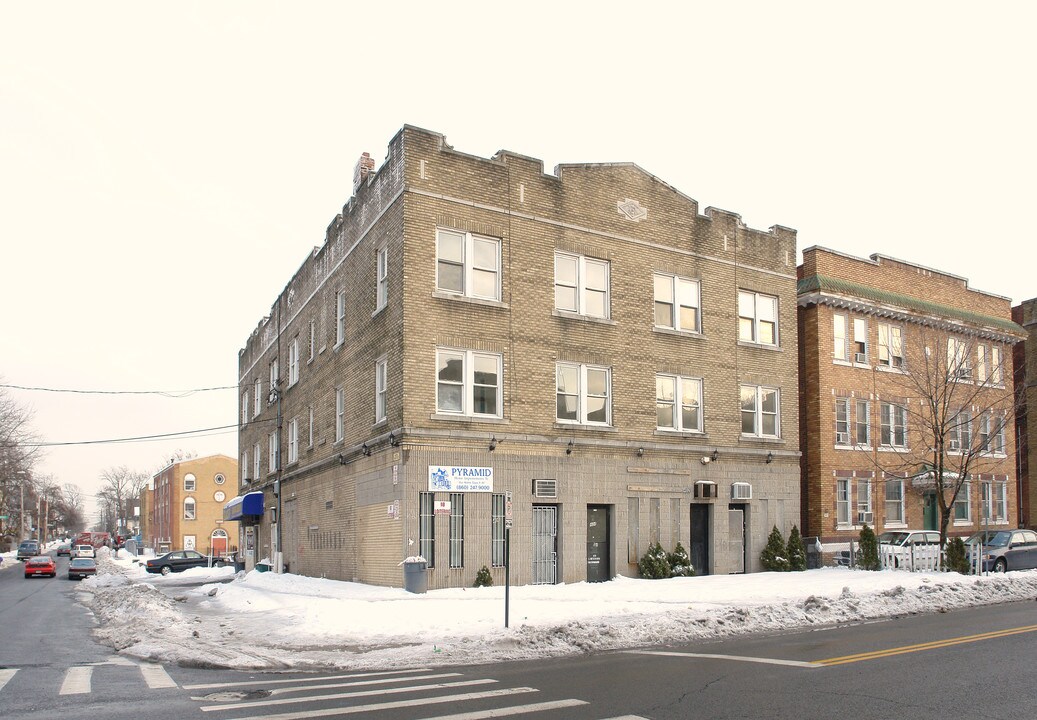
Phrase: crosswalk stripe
x=330 y=712
x=512 y=710
x=362 y=683
x=628 y=717
x=5 y=676
x=77 y=681
x=156 y=677
x=342 y=696
x=211 y=686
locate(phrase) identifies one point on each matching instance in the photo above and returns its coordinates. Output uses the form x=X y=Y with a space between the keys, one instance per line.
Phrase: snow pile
x=267 y=621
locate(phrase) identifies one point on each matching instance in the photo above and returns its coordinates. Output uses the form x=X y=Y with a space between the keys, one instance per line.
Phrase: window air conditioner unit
x=953 y=444
x=545 y=488
x=842 y=438
x=705 y=489
x=741 y=491
x=866 y=517
x=860 y=358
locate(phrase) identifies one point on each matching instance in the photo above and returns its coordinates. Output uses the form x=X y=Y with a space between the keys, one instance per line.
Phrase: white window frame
x=961 y=433
x=757 y=410
x=311 y=430
x=891 y=345
x=340 y=317
x=997 y=368
x=190 y=483
x=581 y=393
x=293 y=361
x=860 y=344
x=676 y=403
x=863 y=504
x=381 y=381
x=959 y=364
x=467 y=383
x=275 y=373
x=842 y=424
x=894 y=507
x=750 y=318
x=340 y=414
x=859 y=421
x=293 y=440
x=257 y=462
x=581 y=288
x=963 y=502
x=889 y=414
x=274 y=450
x=258 y=399
x=1000 y=501
x=467 y=264
x=843 y=501
x=243 y=474
x=244 y=408
x=678 y=292
x=381 y=277
x=840 y=337
x=313 y=339
x=192 y=513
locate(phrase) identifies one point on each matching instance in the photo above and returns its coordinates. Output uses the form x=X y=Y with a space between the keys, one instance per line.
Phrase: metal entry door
x=700 y=538
x=736 y=537
x=599 y=557
x=545 y=544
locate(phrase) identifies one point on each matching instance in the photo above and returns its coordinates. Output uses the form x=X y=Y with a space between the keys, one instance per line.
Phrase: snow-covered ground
x=265 y=621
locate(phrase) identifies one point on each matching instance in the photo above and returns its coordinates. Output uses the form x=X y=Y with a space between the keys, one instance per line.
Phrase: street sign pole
x=507 y=554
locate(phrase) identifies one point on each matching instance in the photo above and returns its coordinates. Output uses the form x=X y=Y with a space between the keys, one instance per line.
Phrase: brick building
x=473 y=335
x=1025 y=366
x=182 y=506
x=879 y=338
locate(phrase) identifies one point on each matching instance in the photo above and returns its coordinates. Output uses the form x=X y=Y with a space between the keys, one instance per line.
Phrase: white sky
x=164 y=169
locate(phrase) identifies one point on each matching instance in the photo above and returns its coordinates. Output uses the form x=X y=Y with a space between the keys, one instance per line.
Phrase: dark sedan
x=1005 y=550
x=178 y=560
x=81 y=567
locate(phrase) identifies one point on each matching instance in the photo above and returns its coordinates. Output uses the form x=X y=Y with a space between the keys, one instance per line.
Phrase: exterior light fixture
x=640 y=452
x=493 y=443
x=365 y=450
x=715 y=455
x=393 y=440
x=569 y=448
x=770 y=458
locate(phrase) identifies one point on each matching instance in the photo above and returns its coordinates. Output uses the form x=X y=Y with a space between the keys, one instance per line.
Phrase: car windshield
x=999 y=539
x=82 y=563
x=893 y=538
x=28 y=546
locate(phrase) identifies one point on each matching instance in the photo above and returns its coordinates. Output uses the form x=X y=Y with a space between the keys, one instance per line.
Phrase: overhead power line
x=141 y=438
x=166 y=393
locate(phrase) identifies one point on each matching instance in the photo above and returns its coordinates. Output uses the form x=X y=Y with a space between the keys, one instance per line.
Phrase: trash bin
x=415 y=576
x=814 y=550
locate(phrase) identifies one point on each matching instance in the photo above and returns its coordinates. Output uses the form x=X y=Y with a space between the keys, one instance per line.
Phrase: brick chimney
x=363 y=168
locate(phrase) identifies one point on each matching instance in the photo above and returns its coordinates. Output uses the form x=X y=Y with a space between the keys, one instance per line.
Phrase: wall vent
x=545 y=488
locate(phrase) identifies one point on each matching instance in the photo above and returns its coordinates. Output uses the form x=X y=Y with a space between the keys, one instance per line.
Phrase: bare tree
x=18 y=453
x=121 y=488
x=955 y=402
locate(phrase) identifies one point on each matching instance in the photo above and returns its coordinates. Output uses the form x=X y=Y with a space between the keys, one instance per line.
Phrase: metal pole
x=507 y=572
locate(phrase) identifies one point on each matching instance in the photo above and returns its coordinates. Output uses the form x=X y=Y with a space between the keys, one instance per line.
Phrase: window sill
x=581 y=426
x=762 y=438
x=336 y=346
x=892 y=370
x=677 y=333
x=566 y=315
x=485 y=302
x=378 y=311
x=690 y=434
x=760 y=346
x=894 y=525
x=893 y=449
x=450 y=417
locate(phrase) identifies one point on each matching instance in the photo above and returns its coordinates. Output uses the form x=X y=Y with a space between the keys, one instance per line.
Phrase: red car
x=40 y=565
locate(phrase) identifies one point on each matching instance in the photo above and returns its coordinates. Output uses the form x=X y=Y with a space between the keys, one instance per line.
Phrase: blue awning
x=244 y=506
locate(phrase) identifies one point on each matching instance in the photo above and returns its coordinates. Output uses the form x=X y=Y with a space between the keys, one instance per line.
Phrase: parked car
x=83 y=551
x=1005 y=549
x=40 y=565
x=178 y=560
x=65 y=549
x=899 y=547
x=81 y=567
x=28 y=549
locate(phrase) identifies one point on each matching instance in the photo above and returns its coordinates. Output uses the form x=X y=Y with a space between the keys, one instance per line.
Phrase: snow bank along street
x=267 y=621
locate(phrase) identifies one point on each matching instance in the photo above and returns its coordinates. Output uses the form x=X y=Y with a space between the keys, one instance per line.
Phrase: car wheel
x=166 y=570
x=1000 y=565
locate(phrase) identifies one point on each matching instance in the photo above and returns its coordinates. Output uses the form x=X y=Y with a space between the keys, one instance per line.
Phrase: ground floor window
x=894 y=501
x=842 y=501
x=962 y=504
x=456 y=530
x=427 y=527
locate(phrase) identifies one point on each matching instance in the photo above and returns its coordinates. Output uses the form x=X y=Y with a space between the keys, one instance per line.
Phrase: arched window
x=189 y=513
x=189 y=482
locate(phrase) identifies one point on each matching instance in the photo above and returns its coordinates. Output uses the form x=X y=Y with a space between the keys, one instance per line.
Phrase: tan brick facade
x=350 y=507
x=864 y=461
x=182 y=506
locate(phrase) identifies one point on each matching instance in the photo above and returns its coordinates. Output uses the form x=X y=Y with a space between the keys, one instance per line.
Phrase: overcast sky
x=165 y=168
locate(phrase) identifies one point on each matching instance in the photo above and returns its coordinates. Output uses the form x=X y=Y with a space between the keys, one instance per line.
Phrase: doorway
x=929 y=511
x=599 y=555
x=736 y=538
x=699 y=551
x=545 y=544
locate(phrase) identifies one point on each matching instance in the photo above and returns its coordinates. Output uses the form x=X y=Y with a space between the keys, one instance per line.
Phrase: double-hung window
x=959 y=437
x=313 y=339
x=293 y=361
x=467 y=264
x=986 y=501
x=244 y=408
x=893 y=425
x=381 y=379
x=381 y=277
x=468 y=382
x=340 y=414
x=340 y=317
x=842 y=501
x=963 y=504
x=275 y=374
x=842 y=421
x=860 y=340
x=583 y=394
x=1001 y=501
x=760 y=411
x=959 y=365
x=274 y=450
x=676 y=303
x=988 y=365
x=862 y=433
x=757 y=318
x=997 y=370
x=243 y=475
x=189 y=509
x=863 y=500
x=312 y=429
x=840 y=345
x=891 y=345
x=293 y=440
x=997 y=435
x=258 y=398
x=894 y=500
x=581 y=285
x=257 y=462
x=678 y=403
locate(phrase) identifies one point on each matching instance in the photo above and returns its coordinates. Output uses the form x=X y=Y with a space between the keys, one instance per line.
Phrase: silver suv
x=28 y=549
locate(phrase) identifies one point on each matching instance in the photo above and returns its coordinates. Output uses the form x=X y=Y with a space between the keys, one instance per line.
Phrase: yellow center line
x=926 y=646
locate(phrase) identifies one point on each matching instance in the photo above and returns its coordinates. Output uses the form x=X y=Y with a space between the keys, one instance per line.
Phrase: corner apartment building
x=182 y=506
x=582 y=356
x=880 y=339
x=1025 y=366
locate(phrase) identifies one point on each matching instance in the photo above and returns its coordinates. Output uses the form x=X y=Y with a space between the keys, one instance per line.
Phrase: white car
x=909 y=548
x=83 y=551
